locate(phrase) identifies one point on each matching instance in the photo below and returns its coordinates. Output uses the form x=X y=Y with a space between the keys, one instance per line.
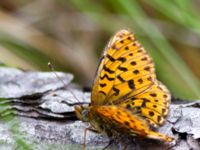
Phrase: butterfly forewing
x=125 y=69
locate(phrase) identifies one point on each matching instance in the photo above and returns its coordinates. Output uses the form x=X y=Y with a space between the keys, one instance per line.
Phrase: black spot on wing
x=120 y=78
x=165 y=96
x=144 y=104
x=129 y=38
x=136 y=71
x=116 y=91
x=133 y=63
x=102 y=85
x=110 y=58
x=151 y=113
x=122 y=68
x=159 y=118
x=147 y=68
x=126 y=123
x=156 y=100
x=126 y=48
x=153 y=94
x=140 y=81
x=134 y=44
x=131 y=84
x=150 y=79
x=108 y=70
x=164 y=111
x=144 y=59
x=131 y=54
x=146 y=100
x=122 y=59
x=107 y=77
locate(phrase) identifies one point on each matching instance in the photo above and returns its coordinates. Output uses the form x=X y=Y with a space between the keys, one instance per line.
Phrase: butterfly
x=126 y=96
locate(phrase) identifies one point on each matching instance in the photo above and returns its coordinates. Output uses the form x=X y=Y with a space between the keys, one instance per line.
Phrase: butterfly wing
x=122 y=120
x=153 y=104
x=125 y=69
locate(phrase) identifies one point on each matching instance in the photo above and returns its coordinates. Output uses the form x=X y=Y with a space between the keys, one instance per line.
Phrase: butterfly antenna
x=58 y=77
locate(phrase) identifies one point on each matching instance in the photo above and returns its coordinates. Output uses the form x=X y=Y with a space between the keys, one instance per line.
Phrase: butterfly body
x=126 y=96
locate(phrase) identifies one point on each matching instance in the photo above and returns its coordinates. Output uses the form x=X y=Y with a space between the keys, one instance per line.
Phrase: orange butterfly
x=126 y=96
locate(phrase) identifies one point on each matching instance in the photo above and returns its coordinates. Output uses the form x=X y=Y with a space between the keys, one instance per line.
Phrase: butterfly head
x=82 y=112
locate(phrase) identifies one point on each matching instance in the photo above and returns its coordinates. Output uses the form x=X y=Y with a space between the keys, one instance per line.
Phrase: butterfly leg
x=110 y=142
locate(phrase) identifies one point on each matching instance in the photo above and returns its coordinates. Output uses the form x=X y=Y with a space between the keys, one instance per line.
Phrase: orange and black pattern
x=126 y=93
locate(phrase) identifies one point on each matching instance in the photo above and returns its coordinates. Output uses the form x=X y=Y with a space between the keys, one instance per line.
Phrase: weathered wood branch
x=44 y=113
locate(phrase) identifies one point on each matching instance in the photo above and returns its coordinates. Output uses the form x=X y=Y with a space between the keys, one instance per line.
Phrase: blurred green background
x=72 y=34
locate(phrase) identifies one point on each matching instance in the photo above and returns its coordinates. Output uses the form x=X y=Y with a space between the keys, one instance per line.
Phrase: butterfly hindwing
x=123 y=120
x=153 y=104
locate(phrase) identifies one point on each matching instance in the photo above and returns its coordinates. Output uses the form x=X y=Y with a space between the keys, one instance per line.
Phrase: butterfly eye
x=84 y=113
